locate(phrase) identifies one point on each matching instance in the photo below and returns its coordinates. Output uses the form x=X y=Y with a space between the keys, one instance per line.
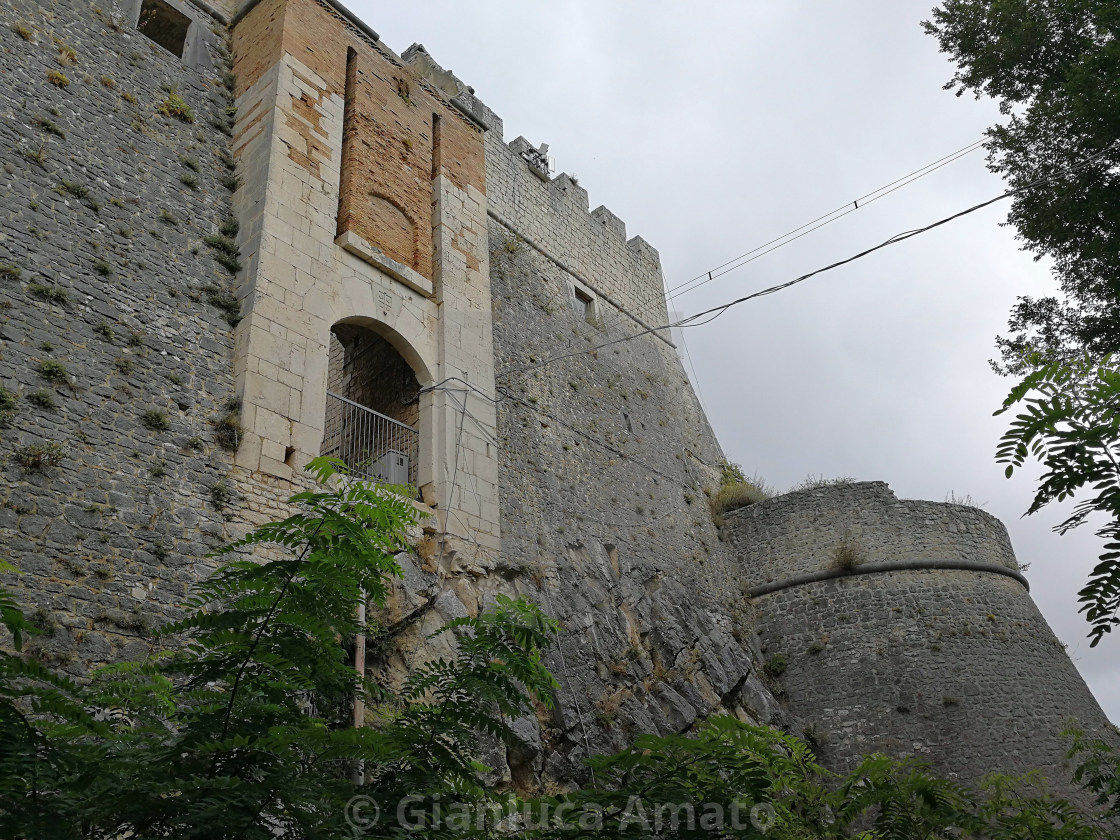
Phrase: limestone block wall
x=315 y=192
x=903 y=627
x=553 y=215
x=110 y=339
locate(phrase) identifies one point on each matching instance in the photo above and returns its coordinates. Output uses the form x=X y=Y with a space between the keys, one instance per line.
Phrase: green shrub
x=54 y=371
x=8 y=401
x=175 y=106
x=10 y=272
x=42 y=399
x=37 y=457
x=220 y=496
x=775 y=666
x=224 y=300
x=847 y=555
x=227 y=429
x=225 y=250
x=734 y=496
x=156 y=420
x=72 y=188
x=813 y=482
x=53 y=294
x=48 y=127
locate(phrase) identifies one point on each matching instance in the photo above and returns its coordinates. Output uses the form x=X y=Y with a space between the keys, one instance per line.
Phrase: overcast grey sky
x=713 y=127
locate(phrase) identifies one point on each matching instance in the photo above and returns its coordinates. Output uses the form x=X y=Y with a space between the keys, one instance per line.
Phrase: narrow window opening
x=584 y=305
x=437 y=139
x=165 y=25
x=348 y=128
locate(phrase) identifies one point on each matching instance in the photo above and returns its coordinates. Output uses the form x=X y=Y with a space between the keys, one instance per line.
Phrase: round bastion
x=905 y=627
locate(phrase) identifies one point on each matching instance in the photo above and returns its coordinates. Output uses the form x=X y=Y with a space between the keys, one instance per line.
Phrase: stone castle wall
x=567 y=466
x=109 y=334
x=604 y=459
x=904 y=627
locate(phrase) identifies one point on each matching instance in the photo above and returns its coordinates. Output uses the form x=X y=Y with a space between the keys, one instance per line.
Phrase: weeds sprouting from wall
x=48 y=127
x=225 y=301
x=38 y=457
x=775 y=666
x=847 y=554
x=57 y=78
x=227 y=429
x=813 y=482
x=8 y=400
x=54 y=371
x=52 y=294
x=736 y=491
x=156 y=420
x=42 y=398
x=220 y=496
x=175 y=106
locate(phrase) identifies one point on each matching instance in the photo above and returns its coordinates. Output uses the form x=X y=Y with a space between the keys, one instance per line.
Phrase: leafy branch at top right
x=1054 y=67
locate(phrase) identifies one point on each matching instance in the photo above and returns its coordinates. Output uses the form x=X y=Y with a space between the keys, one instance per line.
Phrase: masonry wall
x=110 y=338
x=306 y=160
x=922 y=640
x=604 y=459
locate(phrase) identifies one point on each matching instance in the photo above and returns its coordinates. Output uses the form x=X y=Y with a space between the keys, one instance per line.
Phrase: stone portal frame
x=420 y=369
x=301 y=277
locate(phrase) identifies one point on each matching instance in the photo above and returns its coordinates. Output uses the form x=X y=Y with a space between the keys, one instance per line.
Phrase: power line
x=716 y=311
x=816 y=224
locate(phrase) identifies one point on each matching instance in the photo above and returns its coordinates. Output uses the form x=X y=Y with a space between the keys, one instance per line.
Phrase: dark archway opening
x=373 y=407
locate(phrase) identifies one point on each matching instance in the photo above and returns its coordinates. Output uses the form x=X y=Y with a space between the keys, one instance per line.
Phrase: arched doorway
x=373 y=407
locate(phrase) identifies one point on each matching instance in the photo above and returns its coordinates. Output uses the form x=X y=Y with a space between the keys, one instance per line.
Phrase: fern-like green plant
x=239 y=727
x=1071 y=426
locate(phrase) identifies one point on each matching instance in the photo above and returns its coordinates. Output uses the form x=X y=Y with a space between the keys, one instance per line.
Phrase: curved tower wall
x=906 y=629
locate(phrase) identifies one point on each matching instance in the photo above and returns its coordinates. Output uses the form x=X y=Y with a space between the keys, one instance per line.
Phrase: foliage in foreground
x=238 y=730
x=235 y=732
x=1071 y=426
x=1054 y=67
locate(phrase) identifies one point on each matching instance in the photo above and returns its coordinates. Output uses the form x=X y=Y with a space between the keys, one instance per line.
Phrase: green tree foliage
x=236 y=729
x=1071 y=426
x=733 y=780
x=1054 y=67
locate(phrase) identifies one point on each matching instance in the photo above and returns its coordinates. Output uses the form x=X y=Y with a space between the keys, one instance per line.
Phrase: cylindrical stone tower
x=904 y=627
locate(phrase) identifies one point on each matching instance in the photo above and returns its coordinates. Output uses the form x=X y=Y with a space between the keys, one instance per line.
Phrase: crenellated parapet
x=552 y=213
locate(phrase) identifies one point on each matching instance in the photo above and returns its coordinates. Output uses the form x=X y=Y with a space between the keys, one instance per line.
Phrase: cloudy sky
x=714 y=127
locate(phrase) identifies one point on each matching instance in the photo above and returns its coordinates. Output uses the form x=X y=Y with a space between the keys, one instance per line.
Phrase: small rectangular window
x=164 y=24
x=585 y=305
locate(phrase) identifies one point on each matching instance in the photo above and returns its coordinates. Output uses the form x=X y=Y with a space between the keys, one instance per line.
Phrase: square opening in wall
x=164 y=24
x=584 y=305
